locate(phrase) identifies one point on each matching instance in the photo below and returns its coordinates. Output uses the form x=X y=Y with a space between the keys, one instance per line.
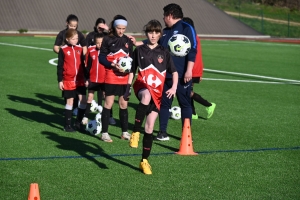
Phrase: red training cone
x=186 y=143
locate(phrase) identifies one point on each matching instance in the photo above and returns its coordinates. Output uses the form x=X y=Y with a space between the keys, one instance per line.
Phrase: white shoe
x=85 y=120
x=112 y=121
x=125 y=136
x=105 y=137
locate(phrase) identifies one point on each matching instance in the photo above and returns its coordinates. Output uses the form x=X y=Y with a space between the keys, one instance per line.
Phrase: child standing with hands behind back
x=70 y=76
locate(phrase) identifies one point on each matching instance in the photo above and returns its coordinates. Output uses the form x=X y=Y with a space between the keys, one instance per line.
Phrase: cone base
x=186 y=154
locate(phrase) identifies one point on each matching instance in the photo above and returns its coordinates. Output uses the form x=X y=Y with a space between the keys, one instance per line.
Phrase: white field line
x=249 y=81
x=28 y=47
x=209 y=70
x=252 y=75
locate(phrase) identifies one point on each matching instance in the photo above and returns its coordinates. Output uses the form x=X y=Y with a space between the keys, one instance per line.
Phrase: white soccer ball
x=175 y=112
x=93 y=128
x=98 y=118
x=125 y=64
x=99 y=108
x=94 y=106
x=179 y=45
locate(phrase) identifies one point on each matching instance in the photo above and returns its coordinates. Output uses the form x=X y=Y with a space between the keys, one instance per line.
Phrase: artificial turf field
x=249 y=149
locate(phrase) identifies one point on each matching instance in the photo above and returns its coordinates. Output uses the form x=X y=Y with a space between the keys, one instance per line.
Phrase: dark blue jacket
x=184 y=28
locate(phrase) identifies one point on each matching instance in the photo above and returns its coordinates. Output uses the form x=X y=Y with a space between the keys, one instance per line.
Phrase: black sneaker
x=162 y=136
x=69 y=128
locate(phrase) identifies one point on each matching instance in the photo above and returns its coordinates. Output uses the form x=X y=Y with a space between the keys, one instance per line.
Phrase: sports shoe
x=77 y=125
x=134 y=140
x=105 y=137
x=125 y=136
x=162 y=136
x=112 y=121
x=68 y=128
x=145 y=167
x=194 y=116
x=210 y=110
x=85 y=120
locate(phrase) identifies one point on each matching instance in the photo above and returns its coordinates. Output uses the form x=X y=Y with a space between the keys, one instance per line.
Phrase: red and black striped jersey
x=112 y=49
x=152 y=65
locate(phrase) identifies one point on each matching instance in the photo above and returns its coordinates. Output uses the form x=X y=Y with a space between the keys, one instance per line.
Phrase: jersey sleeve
x=191 y=34
x=82 y=40
x=104 y=50
x=59 y=39
x=170 y=64
x=60 y=65
x=135 y=63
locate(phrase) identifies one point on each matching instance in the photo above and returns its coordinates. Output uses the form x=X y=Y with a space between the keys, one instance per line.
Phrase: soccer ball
x=98 y=118
x=125 y=64
x=175 y=112
x=99 y=108
x=93 y=128
x=179 y=45
x=94 y=106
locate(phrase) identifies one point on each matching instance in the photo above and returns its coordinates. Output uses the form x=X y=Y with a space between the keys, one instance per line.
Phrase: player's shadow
x=84 y=149
x=37 y=103
x=163 y=144
x=55 y=119
x=50 y=98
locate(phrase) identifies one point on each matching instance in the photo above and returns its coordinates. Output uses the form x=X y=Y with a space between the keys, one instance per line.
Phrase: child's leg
x=109 y=100
x=199 y=99
x=81 y=107
x=88 y=106
x=147 y=142
x=123 y=114
x=68 y=115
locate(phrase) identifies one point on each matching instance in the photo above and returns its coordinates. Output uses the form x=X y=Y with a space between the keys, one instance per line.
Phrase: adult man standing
x=174 y=25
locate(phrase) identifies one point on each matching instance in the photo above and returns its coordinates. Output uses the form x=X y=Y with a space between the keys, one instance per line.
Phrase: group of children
x=97 y=69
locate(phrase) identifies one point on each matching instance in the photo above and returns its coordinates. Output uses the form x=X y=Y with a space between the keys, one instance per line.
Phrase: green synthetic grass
x=249 y=149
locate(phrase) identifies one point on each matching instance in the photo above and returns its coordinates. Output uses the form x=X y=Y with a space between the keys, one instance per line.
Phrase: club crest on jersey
x=126 y=45
x=78 y=51
x=160 y=58
x=93 y=57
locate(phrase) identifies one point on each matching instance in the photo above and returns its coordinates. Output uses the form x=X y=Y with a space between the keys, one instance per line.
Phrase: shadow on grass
x=84 y=148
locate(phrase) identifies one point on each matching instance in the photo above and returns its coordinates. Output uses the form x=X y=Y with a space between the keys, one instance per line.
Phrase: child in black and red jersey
x=115 y=45
x=71 y=23
x=70 y=76
x=152 y=61
x=94 y=73
x=100 y=27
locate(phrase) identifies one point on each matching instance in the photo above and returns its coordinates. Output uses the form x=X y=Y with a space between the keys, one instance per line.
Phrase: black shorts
x=196 y=80
x=95 y=86
x=114 y=89
x=74 y=93
x=152 y=107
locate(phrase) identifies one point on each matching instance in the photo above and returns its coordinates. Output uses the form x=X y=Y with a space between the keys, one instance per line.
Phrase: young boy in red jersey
x=94 y=73
x=70 y=76
x=152 y=61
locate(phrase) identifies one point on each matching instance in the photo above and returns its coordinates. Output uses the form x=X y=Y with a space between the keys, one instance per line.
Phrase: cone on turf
x=186 y=143
x=34 y=193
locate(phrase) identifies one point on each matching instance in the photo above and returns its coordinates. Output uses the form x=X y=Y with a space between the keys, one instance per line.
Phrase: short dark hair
x=98 y=35
x=189 y=21
x=173 y=9
x=72 y=17
x=153 y=25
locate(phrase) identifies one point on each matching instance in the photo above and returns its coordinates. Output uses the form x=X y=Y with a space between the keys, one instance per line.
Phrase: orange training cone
x=186 y=143
x=34 y=193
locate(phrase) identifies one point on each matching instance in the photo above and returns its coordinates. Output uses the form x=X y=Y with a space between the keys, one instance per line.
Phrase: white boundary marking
x=286 y=81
